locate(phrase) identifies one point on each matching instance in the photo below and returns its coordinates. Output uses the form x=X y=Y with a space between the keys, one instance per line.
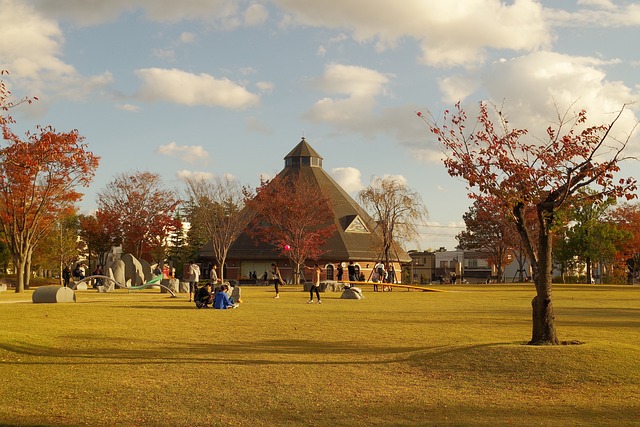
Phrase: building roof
x=356 y=237
x=303 y=149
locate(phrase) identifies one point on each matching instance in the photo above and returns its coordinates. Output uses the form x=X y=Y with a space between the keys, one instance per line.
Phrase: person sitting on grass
x=221 y=299
x=203 y=296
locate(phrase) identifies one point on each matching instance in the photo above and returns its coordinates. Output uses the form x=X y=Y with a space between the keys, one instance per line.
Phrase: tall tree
x=626 y=217
x=215 y=208
x=294 y=216
x=545 y=174
x=39 y=177
x=397 y=210
x=59 y=246
x=141 y=211
x=96 y=233
x=489 y=230
x=589 y=237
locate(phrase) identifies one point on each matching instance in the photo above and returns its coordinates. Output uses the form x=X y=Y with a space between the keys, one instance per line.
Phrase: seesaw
x=396 y=285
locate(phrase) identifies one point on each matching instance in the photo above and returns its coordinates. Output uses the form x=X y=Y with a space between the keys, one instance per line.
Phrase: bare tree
x=397 y=210
x=215 y=207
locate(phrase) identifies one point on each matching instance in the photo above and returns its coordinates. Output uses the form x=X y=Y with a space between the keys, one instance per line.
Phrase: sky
x=198 y=88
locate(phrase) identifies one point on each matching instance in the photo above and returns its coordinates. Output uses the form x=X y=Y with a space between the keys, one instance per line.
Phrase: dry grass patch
x=398 y=358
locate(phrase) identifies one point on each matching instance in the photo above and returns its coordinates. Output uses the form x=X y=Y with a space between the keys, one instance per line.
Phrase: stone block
x=352 y=293
x=53 y=293
x=184 y=287
x=3 y=287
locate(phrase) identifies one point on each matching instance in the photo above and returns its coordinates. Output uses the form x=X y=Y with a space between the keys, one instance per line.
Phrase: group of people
x=78 y=273
x=218 y=298
x=194 y=277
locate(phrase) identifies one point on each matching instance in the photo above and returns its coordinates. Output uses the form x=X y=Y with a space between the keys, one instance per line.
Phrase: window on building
x=329 y=271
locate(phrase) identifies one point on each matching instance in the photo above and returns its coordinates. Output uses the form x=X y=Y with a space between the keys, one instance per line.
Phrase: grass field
x=141 y=358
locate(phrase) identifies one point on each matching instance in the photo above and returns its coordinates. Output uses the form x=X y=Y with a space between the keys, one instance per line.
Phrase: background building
x=355 y=239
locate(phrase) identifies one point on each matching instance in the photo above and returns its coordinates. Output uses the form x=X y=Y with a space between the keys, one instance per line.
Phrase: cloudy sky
x=212 y=87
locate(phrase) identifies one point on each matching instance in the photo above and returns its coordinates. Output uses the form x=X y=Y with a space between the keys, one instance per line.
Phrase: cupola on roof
x=302 y=155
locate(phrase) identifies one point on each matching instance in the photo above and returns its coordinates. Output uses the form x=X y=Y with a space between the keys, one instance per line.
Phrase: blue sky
x=202 y=88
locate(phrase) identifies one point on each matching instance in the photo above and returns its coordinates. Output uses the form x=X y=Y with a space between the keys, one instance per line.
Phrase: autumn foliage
x=522 y=172
x=39 y=178
x=294 y=216
x=136 y=210
x=490 y=231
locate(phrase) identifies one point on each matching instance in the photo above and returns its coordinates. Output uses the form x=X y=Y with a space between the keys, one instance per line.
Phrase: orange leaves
x=140 y=209
x=498 y=162
x=291 y=210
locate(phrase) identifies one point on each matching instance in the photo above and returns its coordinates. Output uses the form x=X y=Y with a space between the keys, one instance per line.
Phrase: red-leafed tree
x=39 y=177
x=626 y=217
x=139 y=212
x=542 y=173
x=294 y=216
x=97 y=235
x=490 y=231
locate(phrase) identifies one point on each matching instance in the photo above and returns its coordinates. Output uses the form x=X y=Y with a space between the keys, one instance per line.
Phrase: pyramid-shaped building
x=355 y=239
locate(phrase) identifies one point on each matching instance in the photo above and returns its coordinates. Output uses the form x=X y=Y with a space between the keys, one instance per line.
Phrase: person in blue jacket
x=221 y=299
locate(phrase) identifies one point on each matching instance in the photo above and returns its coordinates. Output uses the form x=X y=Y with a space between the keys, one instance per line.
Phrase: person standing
x=97 y=272
x=391 y=274
x=194 y=277
x=214 y=274
x=277 y=277
x=340 y=272
x=315 y=278
x=351 y=270
x=66 y=275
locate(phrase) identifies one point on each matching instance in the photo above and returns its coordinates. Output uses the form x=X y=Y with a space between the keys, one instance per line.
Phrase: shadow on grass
x=274 y=352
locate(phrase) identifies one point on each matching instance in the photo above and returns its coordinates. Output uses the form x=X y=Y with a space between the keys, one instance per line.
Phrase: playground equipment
x=153 y=282
x=396 y=285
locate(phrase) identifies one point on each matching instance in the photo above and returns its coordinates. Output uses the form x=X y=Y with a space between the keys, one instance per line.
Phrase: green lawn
x=141 y=358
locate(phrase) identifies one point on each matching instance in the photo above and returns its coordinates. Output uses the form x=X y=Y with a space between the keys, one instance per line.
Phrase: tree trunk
x=544 y=330
x=27 y=269
x=588 y=273
x=19 y=266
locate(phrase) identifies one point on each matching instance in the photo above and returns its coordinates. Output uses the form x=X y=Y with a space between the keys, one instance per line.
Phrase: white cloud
x=31 y=47
x=180 y=87
x=596 y=13
x=360 y=85
x=183 y=175
x=457 y=87
x=266 y=87
x=348 y=178
x=255 y=14
x=531 y=86
x=187 y=153
x=396 y=178
x=164 y=54
x=187 y=38
x=128 y=107
x=87 y=13
x=451 y=33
